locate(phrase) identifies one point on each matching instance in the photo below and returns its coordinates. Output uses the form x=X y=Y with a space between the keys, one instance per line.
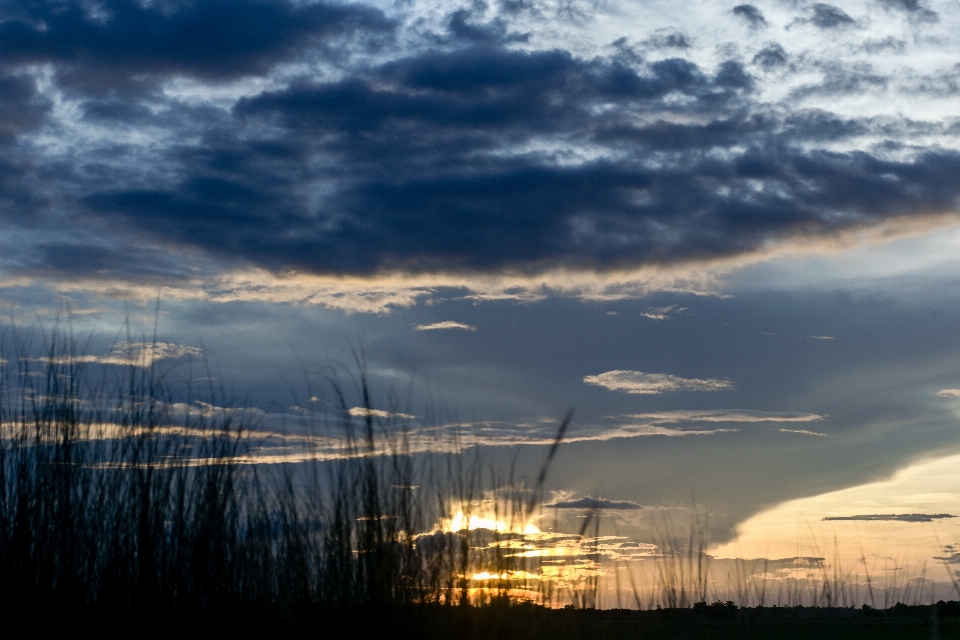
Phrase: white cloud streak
x=363 y=412
x=949 y=393
x=804 y=432
x=662 y=313
x=446 y=324
x=130 y=354
x=724 y=415
x=638 y=382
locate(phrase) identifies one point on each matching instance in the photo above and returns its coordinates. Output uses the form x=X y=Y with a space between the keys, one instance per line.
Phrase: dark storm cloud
x=21 y=107
x=913 y=8
x=414 y=149
x=816 y=124
x=843 y=79
x=876 y=45
x=771 y=56
x=827 y=16
x=112 y=42
x=464 y=154
x=493 y=32
x=87 y=260
x=751 y=14
x=669 y=39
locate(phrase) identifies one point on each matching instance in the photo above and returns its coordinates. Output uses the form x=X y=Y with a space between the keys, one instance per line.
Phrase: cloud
x=383 y=293
x=446 y=324
x=903 y=517
x=330 y=140
x=638 y=382
x=915 y=9
x=771 y=56
x=949 y=393
x=838 y=78
x=751 y=15
x=595 y=504
x=363 y=412
x=629 y=430
x=543 y=433
x=662 y=313
x=130 y=354
x=724 y=415
x=495 y=31
x=22 y=107
x=113 y=42
x=668 y=39
x=828 y=16
x=820 y=337
x=803 y=432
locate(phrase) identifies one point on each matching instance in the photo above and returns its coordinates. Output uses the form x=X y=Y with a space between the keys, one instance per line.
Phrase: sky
x=725 y=235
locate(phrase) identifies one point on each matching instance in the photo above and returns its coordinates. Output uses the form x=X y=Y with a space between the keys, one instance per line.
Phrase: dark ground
x=524 y=622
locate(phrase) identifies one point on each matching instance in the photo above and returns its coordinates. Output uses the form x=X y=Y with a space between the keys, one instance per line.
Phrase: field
x=127 y=501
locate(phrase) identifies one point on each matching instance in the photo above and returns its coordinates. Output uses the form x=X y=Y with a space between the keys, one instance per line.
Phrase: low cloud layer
x=638 y=382
x=903 y=517
x=594 y=504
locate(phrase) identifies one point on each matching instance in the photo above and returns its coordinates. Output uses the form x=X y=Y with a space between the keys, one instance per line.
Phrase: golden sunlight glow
x=385 y=292
x=904 y=520
x=460 y=522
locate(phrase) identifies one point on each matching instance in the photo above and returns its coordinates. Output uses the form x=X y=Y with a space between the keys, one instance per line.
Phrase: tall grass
x=121 y=486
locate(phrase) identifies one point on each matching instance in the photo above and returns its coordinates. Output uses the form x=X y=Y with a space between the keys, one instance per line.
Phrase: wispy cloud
x=662 y=313
x=803 y=432
x=820 y=337
x=363 y=412
x=446 y=324
x=724 y=415
x=130 y=354
x=949 y=393
x=902 y=517
x=641 y=430
x=638 y=382
x=385 y=293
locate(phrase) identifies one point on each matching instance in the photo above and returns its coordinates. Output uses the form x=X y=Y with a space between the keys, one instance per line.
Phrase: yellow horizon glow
x=798 y=528
x=471 y=522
